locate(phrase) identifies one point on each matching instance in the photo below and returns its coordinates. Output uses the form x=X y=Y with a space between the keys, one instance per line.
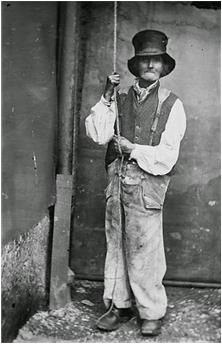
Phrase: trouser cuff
x=118 y=304
x=151 y=316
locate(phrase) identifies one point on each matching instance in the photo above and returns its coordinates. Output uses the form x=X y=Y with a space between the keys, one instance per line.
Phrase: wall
x=28 y=114
x=29 y=117
x=25 y=278
x=192 y=209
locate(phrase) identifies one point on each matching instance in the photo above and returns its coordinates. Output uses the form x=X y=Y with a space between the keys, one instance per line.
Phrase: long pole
x=170 y=283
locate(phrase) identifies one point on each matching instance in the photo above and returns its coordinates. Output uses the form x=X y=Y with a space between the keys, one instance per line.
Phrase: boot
x=112 y=319
x=151 y=327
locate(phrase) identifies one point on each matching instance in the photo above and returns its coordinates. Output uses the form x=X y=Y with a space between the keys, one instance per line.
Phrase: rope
x=115 y=37
x=119 y=232
x=120 y=165
x=114 y=70
x=115 y=91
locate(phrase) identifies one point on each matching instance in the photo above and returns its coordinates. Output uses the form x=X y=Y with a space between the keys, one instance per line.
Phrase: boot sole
x=107 y=329
x=151 y=334
x=121 y=322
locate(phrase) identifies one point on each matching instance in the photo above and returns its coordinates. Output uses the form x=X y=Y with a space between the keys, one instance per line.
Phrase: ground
x=193 y=316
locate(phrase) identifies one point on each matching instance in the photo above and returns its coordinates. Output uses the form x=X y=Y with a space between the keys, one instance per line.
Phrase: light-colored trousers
x=135 y=261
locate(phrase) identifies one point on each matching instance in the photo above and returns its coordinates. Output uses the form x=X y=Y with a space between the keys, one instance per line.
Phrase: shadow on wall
x=192 y=233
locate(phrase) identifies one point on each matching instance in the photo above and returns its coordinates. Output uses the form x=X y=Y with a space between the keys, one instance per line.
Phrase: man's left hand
x=125 y=145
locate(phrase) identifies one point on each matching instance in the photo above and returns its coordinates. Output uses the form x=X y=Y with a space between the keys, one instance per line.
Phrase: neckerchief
x=142 y=92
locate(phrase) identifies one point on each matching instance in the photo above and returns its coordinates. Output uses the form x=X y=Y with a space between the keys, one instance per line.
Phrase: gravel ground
x=193 y=316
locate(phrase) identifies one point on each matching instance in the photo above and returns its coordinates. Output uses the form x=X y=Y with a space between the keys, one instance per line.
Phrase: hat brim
x=168 y=61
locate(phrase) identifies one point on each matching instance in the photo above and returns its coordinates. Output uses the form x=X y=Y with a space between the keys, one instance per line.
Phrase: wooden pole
x=170 y=283
x=59 y=288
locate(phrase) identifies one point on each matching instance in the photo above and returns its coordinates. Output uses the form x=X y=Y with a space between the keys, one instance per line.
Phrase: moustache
x=150 y=70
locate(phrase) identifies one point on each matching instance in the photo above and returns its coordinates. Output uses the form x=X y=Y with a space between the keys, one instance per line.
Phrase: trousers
x=135 y=260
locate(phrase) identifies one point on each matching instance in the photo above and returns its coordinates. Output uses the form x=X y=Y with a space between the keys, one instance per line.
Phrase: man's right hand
x=112 y=81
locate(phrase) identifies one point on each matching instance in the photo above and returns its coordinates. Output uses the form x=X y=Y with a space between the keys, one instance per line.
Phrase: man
x=152 y=125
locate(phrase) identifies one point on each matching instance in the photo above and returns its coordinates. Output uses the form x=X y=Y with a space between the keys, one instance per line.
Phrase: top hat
x=151 y=43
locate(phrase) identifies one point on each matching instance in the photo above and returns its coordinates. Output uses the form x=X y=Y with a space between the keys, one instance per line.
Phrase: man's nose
x=150 y=63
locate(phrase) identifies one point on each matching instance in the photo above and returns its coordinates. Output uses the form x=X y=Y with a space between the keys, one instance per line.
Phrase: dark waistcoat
x=136 y=119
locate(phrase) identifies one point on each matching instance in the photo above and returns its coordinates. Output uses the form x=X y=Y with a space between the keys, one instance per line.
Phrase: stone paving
x=193 y=316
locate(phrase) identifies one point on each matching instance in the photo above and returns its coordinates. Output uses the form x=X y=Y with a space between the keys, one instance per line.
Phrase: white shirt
x=157 y=160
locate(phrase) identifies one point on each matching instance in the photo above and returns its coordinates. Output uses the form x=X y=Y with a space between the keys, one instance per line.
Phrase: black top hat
x=150 y=43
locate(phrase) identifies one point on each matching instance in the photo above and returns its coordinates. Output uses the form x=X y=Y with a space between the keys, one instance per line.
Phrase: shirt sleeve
x=160 y=159
x=100 y=123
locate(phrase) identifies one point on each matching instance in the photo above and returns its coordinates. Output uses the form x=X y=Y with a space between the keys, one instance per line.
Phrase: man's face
x=150 y=68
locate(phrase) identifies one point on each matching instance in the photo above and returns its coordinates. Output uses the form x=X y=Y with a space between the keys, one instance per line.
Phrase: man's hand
x=112 y=81
x=125 y=145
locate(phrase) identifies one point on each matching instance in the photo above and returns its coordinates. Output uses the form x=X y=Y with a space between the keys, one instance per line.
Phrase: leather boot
x=112 y=319
x=151 y=327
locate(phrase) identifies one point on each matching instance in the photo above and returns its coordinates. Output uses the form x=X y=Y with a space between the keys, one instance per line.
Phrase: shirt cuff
x=133 y=153
x=106 y=102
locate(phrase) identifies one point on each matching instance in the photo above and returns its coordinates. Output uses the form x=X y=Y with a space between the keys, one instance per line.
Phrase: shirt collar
x=148 y=89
